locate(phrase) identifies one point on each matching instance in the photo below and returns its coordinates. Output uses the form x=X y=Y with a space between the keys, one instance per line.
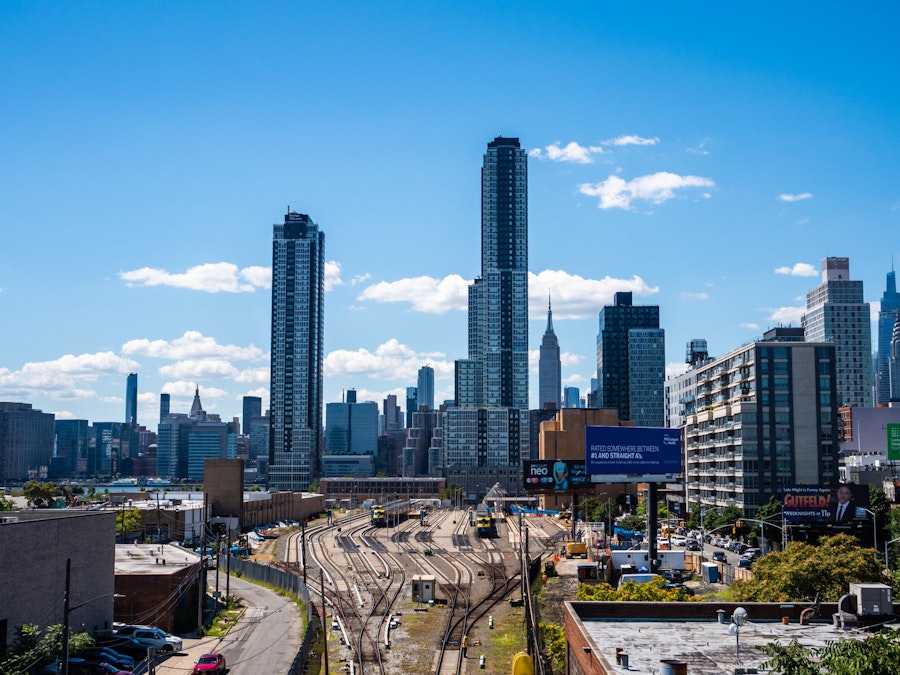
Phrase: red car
x=210 y=663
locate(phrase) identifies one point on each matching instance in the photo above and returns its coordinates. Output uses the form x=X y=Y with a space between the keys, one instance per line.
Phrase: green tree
x=40 y=495
x=32 y=649
x=127 y=521
x=553 y=638
x=6 y=504
x=633 y=523
x=878 y=654
x=801 y=572
x=652 y=591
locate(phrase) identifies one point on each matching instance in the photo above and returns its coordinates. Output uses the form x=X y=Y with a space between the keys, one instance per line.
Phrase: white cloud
x=391 y=360
x=700 y=149
x=632 y=140
x=63 y=378
x=694 y=296
x=616 y=193
x=749 y=325
x=568 y=359
x=573 y=152
x=332 y=275
x=798 y=270
x=574 y=297
x=795 y=198
x=785 y=316
x=196 y=370
x=221 y=277
x=257 y=276
x=676 y=369
x=192 y=345
x=360 y=278
x=426 y=294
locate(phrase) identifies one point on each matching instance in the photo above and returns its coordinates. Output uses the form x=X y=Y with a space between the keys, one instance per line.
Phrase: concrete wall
x=33 y=555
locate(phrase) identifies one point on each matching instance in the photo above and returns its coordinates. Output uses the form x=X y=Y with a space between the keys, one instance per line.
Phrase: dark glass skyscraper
x=251 y=410
x=131 y=399
x=298 y=335
x=887 y=317
x=631 y=361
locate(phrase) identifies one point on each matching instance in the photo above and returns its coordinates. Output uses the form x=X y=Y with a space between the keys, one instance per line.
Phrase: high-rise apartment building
x=760 y=418
x=252 y=408
x=425 y=388
x=298 y=335
x=631 y=362
x=887 y=319
x=549 y=367
x=495 y=375
x=836 y=312
x=131 y=398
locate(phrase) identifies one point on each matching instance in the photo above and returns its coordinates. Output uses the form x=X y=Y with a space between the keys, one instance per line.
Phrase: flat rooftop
x=153 y=559
x=706 y=647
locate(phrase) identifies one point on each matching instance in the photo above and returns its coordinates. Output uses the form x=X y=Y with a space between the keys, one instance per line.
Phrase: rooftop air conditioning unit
x=872 y=599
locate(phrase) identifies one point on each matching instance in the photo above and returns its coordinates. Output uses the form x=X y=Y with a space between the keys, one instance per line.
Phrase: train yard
x=414 y=591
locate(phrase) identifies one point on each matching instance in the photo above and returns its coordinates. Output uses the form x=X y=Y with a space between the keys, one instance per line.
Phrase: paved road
x=265 y=639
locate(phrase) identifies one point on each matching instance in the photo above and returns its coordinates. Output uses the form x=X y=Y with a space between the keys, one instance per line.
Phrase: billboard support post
x=652 y=520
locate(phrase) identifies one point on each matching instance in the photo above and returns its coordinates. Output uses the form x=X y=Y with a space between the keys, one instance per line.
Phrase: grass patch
x=223 y=621
x=503 y=643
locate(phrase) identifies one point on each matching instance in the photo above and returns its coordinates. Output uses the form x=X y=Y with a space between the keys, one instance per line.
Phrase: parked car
x=672 y=576
x=752 y=553
x=692 y=545
x=109 y=655
x=719 y=556
x=210 y=663
x=745 y=563
x=124 y=644
x=156 y=637
x=129 y=628
x=679 y=541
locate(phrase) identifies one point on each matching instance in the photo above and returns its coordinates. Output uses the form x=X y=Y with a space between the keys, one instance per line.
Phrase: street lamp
x=739 y=618
x=886 y=552
x=67 y=609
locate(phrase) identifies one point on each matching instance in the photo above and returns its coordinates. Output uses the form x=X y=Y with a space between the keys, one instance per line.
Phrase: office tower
x=111 y=443
x=131 y=399
x=887 y=318
x=425 y=388
x=631 y=361
x=165 y=402
x=549 y=367
x=298 y=336
x=412 y=403
x=72 y=442
x=351 y=428
x=836 y=312
x=495 y=375
x=252 y=409
x=26 y=442
x=762 y=417
x=197 y=412
x=572 y=397
x=393 y=416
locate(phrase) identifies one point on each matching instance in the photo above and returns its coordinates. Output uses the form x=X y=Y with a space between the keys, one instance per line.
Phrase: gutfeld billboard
x=555 y=475
x=632 y=450
x=836 y=505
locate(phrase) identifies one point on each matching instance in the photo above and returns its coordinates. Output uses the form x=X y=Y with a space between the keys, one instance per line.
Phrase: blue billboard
x=632 y=450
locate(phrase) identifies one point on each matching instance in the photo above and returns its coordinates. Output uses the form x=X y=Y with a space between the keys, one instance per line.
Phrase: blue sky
x=706 y=158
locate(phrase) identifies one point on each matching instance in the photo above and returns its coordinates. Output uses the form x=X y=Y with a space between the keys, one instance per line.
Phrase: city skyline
x=704 y=164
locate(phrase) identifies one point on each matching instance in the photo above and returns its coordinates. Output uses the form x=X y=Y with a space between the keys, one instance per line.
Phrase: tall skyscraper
x=887 y=318
x=425 y=388
x=836 y=312
x=131 y=399
x=495 y=375
x=631 y=361
x=298 y=335
x=165 y=403
x=549 y=368
x=252 y=409
x=412 y=402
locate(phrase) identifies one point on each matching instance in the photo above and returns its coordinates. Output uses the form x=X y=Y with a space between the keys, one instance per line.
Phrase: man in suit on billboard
x=842 y=510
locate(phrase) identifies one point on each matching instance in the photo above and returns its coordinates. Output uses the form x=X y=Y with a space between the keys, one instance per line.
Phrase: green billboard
x=893 y=441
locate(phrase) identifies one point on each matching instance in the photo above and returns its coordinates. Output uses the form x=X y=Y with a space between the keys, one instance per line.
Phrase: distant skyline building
x=837 y=312
x=572 y=397
x=251 y=409
x=549 y=367
x=298 y=337
x=392 y=414
x=887 y=319
x=351 y=428
x=165 y=403
x=131 y=398
x=425 y=388
x=495 y=374
x=631 y=361
x=72 y=441
x=412 y=402
x=895 y=362
x=26 y=442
